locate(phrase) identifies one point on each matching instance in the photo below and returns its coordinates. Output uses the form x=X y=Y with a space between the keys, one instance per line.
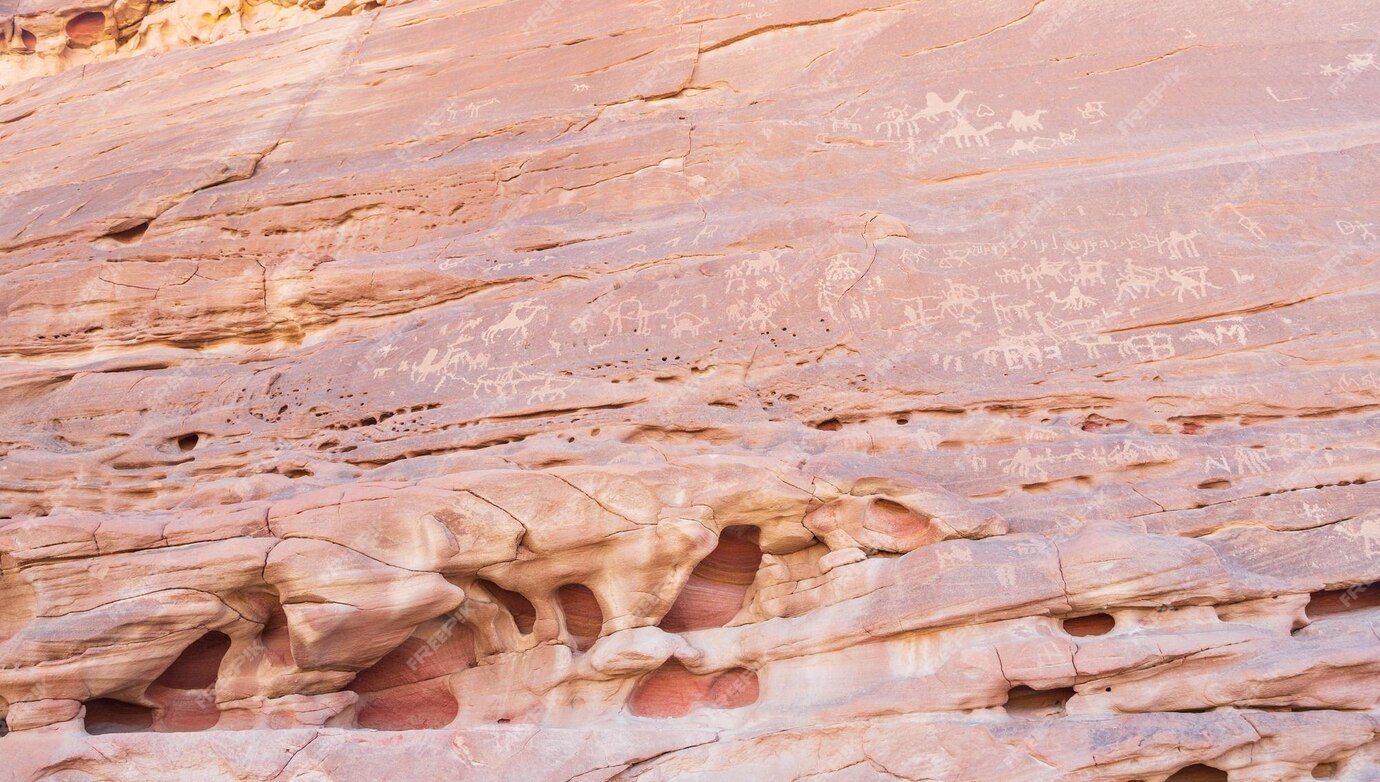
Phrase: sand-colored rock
x=688 y=390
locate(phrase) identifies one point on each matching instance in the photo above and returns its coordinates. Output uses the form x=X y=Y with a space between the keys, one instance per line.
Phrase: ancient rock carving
x=527 y=390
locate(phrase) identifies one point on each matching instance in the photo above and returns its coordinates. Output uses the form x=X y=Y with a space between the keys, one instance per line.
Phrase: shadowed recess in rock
x=521 y=609
x=1025 y=703
x=1198 y=773
x=106 y=715
x=717 y=586
x=441 y=646
x=583 y=617
x=196 y=667
x=1092 y=624
x=405 y=690
x=425 y=705
x=1341 y=601
x=673 y=691
x=185 y=692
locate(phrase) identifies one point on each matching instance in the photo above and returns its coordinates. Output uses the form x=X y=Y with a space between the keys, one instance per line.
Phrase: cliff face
x=707 y=390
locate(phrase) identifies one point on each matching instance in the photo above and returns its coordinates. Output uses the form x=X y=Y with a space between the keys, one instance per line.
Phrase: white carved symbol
x=935 y=107
x=1024 y=123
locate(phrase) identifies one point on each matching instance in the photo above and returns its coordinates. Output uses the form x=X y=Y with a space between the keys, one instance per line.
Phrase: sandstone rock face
x=700 y=390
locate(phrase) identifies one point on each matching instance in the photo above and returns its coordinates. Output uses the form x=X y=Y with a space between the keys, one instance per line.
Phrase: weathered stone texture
x=762 y=390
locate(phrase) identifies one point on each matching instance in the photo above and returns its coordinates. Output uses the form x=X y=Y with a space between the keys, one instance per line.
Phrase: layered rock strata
x=689 y=390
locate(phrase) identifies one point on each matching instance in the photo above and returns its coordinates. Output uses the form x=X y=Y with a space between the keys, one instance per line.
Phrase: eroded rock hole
x=673 y=691
x=1198 y=773
x=129 y=235
x=196 y=667
x=583 y=617
x=188 y=441
x=523 y=612
x=1216 y=483
x=1092 y=624
x=1320 y=771
x=28 y=39
x=1026 y=703
x=405 y=690
x=86 y=28
x=106 y=715
x=186 y=690
x=1341 y=601
x=717 y=586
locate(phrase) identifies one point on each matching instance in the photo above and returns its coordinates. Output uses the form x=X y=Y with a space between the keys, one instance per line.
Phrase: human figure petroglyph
x=1191 y=281
x=759 y=318
x=935 y=107
x=958 y=300
x=965 y=135
x=1136 y=281
x=1054 y=270
x=514 y=324
x=1251 y=225
x=1025 y=123
x=845 y=124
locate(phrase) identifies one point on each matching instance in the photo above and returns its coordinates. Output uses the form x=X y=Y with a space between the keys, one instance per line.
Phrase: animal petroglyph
x=1025 y=123
x=964 y=134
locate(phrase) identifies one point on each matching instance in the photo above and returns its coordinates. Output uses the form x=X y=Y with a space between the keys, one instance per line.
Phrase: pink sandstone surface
x=706 y=390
